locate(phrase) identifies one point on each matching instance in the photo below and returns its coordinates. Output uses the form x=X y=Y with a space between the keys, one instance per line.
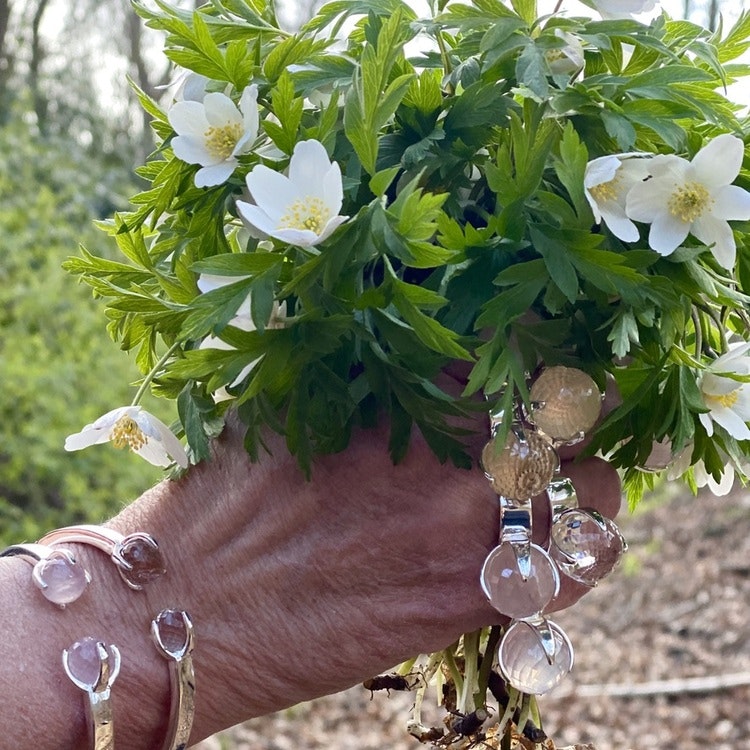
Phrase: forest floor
x=662 y=651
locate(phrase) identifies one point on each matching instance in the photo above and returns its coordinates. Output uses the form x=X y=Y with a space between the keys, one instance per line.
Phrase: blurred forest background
x=70 y=135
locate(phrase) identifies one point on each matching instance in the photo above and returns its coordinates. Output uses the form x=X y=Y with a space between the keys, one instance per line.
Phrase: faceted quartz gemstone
x=524 y=662
x=144 y=559
x=172 y=630
x=522 y=468
x=565 y=403
x=61 y=579
x=506 y=589
x=83 y=661
x=585 y=545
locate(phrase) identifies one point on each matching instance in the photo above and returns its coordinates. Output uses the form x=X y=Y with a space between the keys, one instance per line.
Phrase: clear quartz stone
x=83 y=661
x=61 y=579
x=524 y=662
x=173 y=631
x=506 y=589
x=586 y=547
x=144 y=558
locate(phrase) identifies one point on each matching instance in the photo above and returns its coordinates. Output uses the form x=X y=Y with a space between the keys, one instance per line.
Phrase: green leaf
x=238 y=264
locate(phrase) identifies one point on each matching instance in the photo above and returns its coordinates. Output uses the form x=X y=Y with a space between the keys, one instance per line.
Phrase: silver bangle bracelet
x=137 y=555
x=93 y=667
x=55 y=572
x=172 y=631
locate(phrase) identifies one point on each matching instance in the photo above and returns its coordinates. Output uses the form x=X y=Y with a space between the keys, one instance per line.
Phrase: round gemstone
x=565 y=403
x=524 y=662
x=61 y=579
x=143 y=559
x=83 y=661
x=522 y=468
x=172 y=630
x=585 y=545
x=506 y=589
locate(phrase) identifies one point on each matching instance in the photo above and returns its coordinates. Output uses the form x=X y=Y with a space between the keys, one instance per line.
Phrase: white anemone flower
x=568 y=59
x=693 y=197
x=302 y=207
x=242 y=320
x=704 y=479
x=214 y=132
x=135 y=428
x=727 y=400
x=607 y=181
x=622 y=8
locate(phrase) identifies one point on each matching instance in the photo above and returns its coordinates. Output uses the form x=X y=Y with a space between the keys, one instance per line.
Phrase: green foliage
x=57 y=369
x=469 y=233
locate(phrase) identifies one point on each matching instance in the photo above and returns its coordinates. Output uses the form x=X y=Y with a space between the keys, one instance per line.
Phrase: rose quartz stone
x=84 y=662
x=172 y=631
x=62 y=581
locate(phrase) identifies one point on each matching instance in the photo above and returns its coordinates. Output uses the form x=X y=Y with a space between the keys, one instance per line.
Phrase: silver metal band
x=172 y=631
x=98 y=692
x=137 y=556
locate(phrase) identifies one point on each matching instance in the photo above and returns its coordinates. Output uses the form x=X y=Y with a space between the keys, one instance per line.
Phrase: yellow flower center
x=689 y=201
x=309 y=213
x=220 y=142
x=127 y=434
x=606 y=191
x=727 y=400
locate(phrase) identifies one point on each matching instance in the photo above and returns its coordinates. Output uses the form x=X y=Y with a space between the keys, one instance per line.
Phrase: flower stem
x=153 y=372
x=465 y=700
x=450 y=661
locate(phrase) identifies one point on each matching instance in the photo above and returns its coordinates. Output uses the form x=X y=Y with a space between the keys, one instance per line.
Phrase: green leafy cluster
x=470 y=237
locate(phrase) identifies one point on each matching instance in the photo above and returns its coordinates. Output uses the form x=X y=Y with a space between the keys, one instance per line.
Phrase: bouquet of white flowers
x=335 y=216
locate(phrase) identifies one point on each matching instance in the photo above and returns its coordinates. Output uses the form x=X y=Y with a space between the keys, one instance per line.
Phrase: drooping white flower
x=607 y=182
x=568 y=59
x=693 y=197
x=704 y=479
x=214 y=132
x=727 y=400
x=301 y=208
x=241 y=320
x=135 y=428
x=622 y=8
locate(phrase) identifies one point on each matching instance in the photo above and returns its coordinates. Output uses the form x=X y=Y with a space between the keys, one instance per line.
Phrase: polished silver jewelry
x=172 y=631
x=93 y=667
x=55 y=572
x=137 y=556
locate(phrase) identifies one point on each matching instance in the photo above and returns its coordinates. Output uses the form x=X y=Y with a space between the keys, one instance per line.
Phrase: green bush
x=58 y=368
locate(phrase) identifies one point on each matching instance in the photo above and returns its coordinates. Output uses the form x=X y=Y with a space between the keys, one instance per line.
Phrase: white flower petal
x=188 y=118
x=299 y=237
x=249 y=109
x=333 y=189
x=215 y=174
x=272 y=191
x=731 y=422
x=619 y=224
x=191 y=150
x=331 y=227
x=600 y=170
x=221 y=110
x=257 y=218
x=708 y=425
x=155 y=453
x=645 y=201
x=731 y=202
x=667 y=233
x=309 y=164
x=718 y=234
x=719 y=161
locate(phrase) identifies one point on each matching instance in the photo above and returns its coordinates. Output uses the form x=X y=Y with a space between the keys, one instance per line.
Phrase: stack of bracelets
x=519 y=577
x=93 y=665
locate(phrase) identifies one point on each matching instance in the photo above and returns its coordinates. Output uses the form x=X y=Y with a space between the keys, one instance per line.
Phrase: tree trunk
x=37 y=56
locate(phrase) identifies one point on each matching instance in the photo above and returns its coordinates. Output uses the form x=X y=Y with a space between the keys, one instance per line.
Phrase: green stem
x=450 y=661
x=697 y=325
x=465 y=701
x=483 y=678
x=152 y=374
